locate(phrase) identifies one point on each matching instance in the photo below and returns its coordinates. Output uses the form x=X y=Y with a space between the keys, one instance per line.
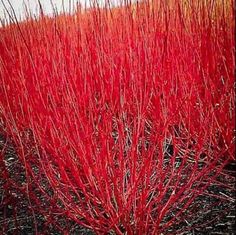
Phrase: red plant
x=120 y=117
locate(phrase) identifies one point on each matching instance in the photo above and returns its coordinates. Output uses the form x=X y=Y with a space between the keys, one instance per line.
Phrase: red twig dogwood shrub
x=120 y=117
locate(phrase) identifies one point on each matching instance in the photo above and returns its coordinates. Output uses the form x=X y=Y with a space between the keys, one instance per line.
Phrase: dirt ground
x=17 y=218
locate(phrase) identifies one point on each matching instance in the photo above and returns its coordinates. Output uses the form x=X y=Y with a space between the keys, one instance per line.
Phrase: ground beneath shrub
x=14 y=207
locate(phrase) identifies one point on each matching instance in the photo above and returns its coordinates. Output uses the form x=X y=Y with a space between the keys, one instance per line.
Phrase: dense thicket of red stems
x=120 y=117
